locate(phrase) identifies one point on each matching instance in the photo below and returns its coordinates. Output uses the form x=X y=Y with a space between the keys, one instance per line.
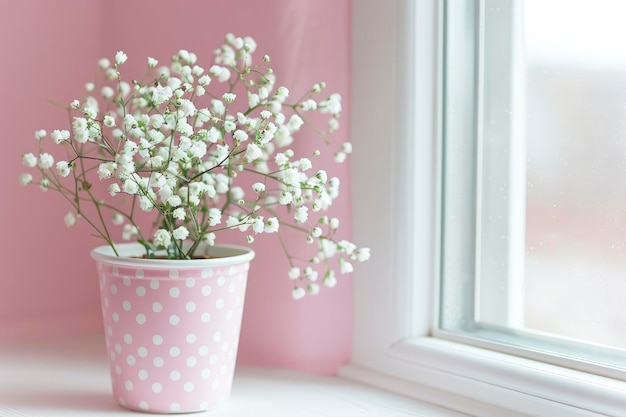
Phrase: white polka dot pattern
x=172 y=334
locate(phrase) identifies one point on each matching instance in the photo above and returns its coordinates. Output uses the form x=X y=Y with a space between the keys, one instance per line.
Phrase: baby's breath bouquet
x=200 y=152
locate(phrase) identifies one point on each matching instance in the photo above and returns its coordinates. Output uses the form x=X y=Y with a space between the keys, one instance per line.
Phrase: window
x=538 y=175
x=418 y=97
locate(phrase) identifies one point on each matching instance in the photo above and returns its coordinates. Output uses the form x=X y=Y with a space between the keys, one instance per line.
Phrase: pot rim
x=130 y=255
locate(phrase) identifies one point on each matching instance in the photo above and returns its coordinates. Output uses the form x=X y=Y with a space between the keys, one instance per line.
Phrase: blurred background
x=576 y=169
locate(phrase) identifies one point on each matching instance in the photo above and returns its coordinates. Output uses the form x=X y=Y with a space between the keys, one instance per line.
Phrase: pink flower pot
x=172 y=326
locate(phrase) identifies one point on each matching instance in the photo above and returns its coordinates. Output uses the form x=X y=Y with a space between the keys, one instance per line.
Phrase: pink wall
x=49 y=50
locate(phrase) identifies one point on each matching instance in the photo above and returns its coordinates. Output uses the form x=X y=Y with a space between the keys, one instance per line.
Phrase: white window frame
x=396 y=164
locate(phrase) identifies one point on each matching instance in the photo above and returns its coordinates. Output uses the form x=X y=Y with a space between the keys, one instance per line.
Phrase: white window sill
x=482 y=382
x=70 y=377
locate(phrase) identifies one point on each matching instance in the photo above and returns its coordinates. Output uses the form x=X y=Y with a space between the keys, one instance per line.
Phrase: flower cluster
x=203 y=151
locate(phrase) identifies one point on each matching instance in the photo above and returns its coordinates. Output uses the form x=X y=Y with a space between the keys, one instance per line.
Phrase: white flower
x=180 y=233
x=210 y=238
x=124 y=88
x=162 y=238
x=301 y=215
x=329 y=280
x=333 y=125
x=310 y=274
x=340 y=157
x=282 y=92
x=174 y=201
x=331 y=105
x=129 y=122
x=363 y=254
x=161 y=94
x=308 y=105
x=285 y=198
x=240 y=135
x=63 y=168
x=304 y=164
x=204 y=80
x=271 y=225
x=258 y=187
x=107 y=92
x=346 y=246
x=197 y=188
x=114 y=189
x=222 y=73
x=283 y=137
x=109 y=121
x=69 y=219
x=26 y=179
x=187 y=107
x=222 y=183
x=145 y=203
x=179 y=213
x=215 y=216
x=29 y=160
x=81 y=136
x=294 y=272
x=147 y=139
x=253 y=152
x=291 y=177
x=130 y=186
x=229 y=126
x=267 y=133
x=106 y=170
x=104 y=63
x=328 y=249
x=312 y=288
x=258 y=225
x=129 y=231
x=213 y=135
x=229 y=97
x=120 y=58
x=263 y=93
x=46 y=161
x=297 y=293
x=90 y=109
x=40 y=134
x=281 y=159
x=218 y=107
x=59 y=136
x=44 y=184
x=295 y=122
x=346 y=267
x=222 y=152
x=232 y=221
x=253 y=99
x=118 y=134
x=203 y=115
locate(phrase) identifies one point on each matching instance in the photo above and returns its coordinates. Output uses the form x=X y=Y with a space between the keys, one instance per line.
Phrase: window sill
x=70 y=377
x=482 y=382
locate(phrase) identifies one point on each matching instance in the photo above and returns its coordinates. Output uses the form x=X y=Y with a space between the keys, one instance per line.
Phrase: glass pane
x=575 y=265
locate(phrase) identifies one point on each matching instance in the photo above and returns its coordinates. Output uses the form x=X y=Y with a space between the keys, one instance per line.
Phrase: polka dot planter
x=172 y=326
